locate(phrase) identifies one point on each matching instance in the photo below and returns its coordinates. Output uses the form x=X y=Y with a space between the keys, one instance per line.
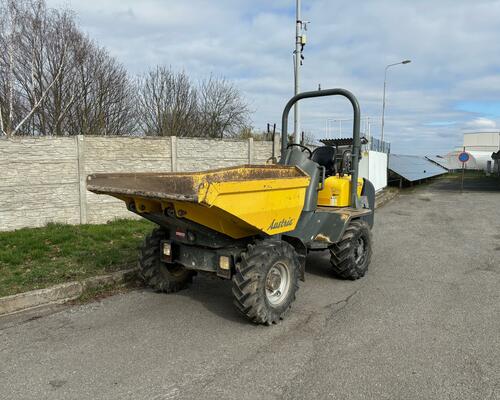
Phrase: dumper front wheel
x=266 y=280
x=160 y=276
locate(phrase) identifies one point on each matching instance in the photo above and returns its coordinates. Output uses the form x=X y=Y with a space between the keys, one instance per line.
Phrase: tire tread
x=154 y=272
x=247 y=279
x=341 y=253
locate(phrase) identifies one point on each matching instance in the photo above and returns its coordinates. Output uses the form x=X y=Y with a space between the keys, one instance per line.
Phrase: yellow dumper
x=254 y=224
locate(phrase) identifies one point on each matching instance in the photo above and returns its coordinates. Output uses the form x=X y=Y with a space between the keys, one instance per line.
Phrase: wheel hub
x=273 y=281
x=359 y=250
x=277 y=283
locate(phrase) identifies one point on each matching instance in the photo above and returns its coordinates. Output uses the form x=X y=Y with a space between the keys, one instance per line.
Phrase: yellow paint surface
x=241 y=208
x=337 y=190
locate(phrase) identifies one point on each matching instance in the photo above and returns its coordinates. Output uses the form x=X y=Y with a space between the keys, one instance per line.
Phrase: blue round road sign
x=463 y=156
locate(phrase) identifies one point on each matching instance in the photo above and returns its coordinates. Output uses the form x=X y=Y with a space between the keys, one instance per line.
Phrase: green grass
x=35 y=258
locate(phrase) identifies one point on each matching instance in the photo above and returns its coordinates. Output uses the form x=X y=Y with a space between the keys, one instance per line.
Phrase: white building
x=480 y=146
x=373 y=166
x=482 y=141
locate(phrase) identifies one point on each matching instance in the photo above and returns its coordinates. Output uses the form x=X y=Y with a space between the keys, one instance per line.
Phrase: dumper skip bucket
x=238 y=201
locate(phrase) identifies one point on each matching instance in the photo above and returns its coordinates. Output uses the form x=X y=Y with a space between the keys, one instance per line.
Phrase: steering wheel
x=301 y=146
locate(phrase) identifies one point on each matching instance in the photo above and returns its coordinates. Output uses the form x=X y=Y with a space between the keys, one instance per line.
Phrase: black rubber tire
x=346 y=262
x=162 y=277
x=249 y=281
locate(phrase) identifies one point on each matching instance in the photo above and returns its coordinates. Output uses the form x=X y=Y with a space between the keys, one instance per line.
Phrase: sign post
x=463 y=157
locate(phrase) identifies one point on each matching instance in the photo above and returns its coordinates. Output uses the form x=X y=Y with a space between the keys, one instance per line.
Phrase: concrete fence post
x=82 y=178
x=173 y=153
x=277 y=145
x=250 y=151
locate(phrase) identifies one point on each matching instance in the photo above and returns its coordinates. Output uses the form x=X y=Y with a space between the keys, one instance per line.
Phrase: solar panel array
x=414 y=168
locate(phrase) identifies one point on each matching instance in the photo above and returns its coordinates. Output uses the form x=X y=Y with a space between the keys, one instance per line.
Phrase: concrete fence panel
x=202 y=154
x=44 y=179
x=118 y=154
x=38 y=182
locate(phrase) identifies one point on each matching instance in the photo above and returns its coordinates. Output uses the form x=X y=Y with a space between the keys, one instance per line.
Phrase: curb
x=385 y=197
x=62 y=293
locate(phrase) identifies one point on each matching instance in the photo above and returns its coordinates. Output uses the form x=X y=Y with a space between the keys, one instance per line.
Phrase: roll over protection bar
x=356 y=147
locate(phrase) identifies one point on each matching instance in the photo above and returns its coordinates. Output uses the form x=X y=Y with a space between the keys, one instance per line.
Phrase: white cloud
x=481 y=123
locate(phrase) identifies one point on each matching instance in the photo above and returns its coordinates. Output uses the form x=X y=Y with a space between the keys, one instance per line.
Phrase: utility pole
x=296 y=111
x=300 y=41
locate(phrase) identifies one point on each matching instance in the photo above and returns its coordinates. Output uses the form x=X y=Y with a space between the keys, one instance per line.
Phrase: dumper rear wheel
x=266 y=280
x=351 y=256
x=163 y=277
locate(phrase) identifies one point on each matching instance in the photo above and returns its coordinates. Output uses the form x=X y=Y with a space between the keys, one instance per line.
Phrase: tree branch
x=37 y=104
x=1 y=121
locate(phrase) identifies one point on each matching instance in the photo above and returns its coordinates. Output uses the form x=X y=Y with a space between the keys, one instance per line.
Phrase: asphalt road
x=423 y=324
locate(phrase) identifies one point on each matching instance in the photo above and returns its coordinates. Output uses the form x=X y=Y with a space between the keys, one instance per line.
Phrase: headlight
x=225 y=262
x=167 y=249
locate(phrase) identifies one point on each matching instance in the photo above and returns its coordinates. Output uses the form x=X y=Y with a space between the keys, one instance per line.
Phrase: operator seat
x=325 y=156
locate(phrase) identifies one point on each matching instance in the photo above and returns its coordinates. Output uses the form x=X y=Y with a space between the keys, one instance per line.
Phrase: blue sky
x=451 y=86
x=490 y=109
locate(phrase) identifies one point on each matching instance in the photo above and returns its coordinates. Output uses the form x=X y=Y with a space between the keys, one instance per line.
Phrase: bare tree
x=104 y=103
x=167 y=103
x=22 y=20
x=54 y=80
x=8 y=34
x=222 y=110
x=45 y=49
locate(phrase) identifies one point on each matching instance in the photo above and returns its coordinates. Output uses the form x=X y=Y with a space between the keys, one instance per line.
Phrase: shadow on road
x=471 y=184
x=318 y=263
x=215 y=294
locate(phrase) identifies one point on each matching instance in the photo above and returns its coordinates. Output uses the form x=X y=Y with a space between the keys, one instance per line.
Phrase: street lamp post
x=385 y=84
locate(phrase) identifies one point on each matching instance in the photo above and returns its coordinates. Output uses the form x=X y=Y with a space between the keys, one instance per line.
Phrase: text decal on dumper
x=280 y=224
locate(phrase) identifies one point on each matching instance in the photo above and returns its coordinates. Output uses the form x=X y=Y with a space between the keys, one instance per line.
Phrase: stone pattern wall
x=38 y=182
x=42 y=180
x=124 y=154
x=202 y=154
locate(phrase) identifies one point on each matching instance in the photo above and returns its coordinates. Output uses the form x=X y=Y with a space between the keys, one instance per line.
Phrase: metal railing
x=381 y=146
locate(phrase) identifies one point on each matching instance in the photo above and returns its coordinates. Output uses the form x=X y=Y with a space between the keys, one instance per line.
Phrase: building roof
x=337 y=142
x=341 y=141
x=414 y=168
